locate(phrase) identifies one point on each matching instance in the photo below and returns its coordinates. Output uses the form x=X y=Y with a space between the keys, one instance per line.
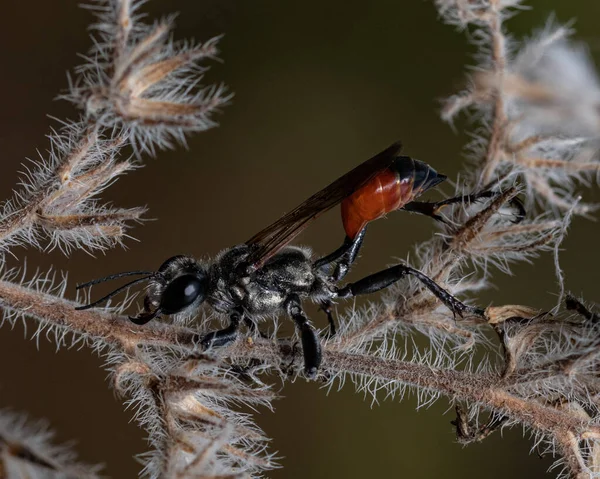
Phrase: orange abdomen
x=384 y=193
x=392 y=188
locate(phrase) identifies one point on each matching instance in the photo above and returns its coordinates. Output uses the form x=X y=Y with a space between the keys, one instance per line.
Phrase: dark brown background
x=319 y=86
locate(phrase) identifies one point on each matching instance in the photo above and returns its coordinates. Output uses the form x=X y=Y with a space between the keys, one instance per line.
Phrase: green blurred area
x=319 y=87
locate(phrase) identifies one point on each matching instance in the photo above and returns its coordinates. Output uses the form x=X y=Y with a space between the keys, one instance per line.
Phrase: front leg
x=311 y=345
x=226 y=335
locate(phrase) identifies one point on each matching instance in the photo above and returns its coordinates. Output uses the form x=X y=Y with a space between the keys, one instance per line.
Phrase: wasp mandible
x=264 y=276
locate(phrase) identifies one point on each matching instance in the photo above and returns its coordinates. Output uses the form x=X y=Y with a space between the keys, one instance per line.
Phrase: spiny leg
x=311 y=346
x=432 y=209
x=385 y=278
x=226 y=335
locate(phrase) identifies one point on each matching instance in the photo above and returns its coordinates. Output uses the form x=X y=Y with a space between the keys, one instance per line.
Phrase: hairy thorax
x=264 y=292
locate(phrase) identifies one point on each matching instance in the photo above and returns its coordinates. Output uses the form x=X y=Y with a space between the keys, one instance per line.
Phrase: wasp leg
x=385 y=278
x=226 y=335
x=344 y=256
x=432 y=209
x=427 y=209
x=311 y=346
x=144 y=317
x=327 y=307
x=336 y=255
x=147 y=315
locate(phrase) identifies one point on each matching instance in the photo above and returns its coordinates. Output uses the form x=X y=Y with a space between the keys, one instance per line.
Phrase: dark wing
x=274 y=237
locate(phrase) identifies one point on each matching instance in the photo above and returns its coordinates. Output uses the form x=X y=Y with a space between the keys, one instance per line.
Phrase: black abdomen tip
x=423 y=175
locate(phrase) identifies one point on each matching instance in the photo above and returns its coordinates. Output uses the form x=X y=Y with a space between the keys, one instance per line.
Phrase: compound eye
x=181 y=293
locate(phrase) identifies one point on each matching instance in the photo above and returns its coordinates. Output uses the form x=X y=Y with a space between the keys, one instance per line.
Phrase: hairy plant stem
x=115 y=330
x=498 y=48
x=483 y=389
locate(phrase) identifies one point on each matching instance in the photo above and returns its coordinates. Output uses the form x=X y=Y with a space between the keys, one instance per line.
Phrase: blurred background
x=319 y=87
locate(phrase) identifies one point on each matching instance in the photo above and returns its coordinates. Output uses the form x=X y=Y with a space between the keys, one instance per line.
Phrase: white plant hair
x=537 y=111
x=26 y=450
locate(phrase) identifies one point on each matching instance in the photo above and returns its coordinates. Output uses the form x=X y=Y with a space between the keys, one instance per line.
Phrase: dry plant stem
x=494 y=150
x=124 y=25
x=480 y=389
x=21 y=452
x=59 y=203
x=31 y=213
x=457 y=385
x=569 y=445
x=115 y=330
x=27 y=450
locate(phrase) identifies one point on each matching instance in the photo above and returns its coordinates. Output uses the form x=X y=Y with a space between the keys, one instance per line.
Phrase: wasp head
x=180 y=283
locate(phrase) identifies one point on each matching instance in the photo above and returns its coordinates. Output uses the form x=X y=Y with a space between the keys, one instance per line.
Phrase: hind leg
x=343 y=257
x=383 y=279
x=433 y=209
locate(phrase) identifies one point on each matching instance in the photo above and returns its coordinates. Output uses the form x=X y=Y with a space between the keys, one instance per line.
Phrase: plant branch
x=486 y=390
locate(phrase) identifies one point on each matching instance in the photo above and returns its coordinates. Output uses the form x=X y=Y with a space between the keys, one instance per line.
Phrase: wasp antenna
x=144 y=318
x=113 y=293
x=112 y=276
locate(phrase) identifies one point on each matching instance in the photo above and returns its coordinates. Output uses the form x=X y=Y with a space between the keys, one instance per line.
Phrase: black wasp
x=264 y=276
